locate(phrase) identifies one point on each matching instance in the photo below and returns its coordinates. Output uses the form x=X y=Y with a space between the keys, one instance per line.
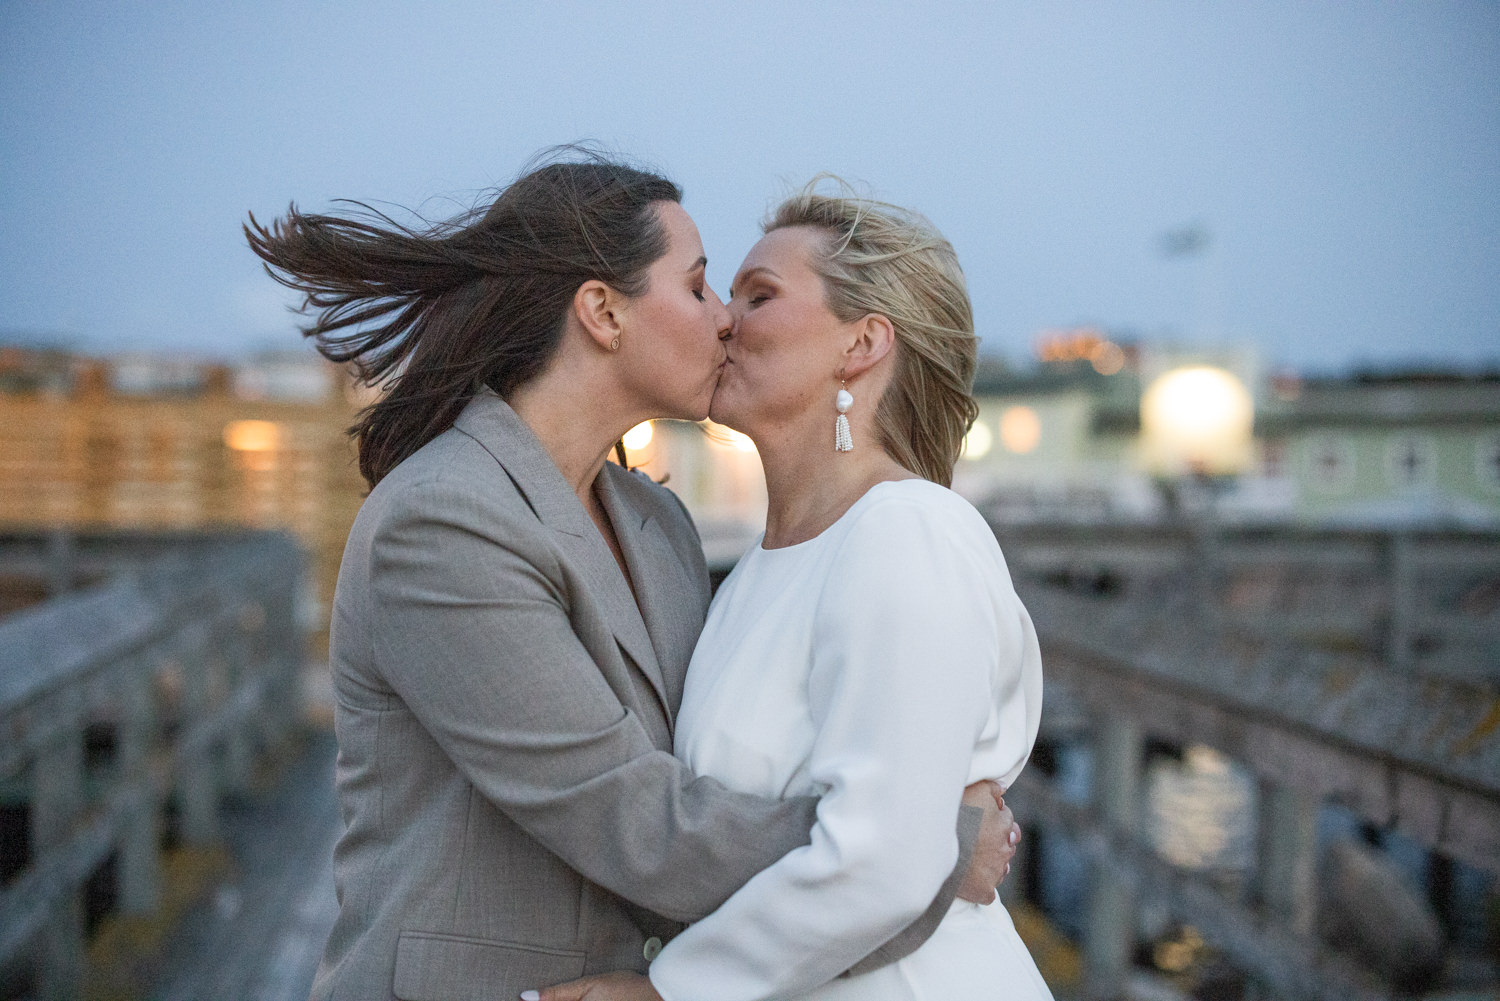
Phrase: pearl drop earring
x=842 y=440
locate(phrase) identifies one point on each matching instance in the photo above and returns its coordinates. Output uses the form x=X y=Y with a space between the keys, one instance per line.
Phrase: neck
x=809 y=486
x=577 y=420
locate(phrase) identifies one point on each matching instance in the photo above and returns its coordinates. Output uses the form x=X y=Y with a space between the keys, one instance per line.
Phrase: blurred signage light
x=1079 y=345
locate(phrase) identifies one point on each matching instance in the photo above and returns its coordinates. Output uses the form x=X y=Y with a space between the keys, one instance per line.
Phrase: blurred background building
x=1362 y=514
x=160 y=443
x=1137 y=487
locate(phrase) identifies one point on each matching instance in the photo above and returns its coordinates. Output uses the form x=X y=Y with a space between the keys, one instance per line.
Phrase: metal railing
x=127 y=710
x=1354 y=667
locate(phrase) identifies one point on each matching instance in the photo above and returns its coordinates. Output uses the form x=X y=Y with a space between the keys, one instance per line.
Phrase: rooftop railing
x=128 y=709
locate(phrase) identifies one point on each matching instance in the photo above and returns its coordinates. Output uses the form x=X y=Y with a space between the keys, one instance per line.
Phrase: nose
x=723 y=319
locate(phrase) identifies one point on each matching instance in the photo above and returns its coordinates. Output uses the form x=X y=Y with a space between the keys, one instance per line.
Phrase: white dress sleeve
x=907 y=641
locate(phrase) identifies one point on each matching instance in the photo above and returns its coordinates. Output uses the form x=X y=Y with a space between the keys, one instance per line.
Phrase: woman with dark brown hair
x=515 y=614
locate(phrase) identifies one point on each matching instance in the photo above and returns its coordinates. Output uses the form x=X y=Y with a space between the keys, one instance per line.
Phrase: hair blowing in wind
x=433 y=315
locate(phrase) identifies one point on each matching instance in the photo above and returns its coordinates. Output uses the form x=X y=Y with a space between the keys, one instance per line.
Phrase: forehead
x=682 y=233
x=785 y=250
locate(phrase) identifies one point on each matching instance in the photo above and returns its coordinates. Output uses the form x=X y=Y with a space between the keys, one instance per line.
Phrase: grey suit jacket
x=513 y=814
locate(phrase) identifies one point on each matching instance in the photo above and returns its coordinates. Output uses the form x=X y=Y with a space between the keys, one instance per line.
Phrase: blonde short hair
x=881 y=258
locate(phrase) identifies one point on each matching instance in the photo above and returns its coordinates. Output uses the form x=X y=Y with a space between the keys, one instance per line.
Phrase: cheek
x=689 y=331
x=774 y=380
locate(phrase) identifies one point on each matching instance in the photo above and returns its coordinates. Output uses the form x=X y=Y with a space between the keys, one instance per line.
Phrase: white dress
x=883 y=666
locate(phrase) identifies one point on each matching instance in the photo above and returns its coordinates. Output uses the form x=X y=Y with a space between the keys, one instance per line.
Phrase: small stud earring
x=614 y=345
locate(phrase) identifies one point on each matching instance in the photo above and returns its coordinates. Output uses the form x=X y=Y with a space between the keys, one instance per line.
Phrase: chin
x=717 y=414
x=692 y=410
x=720 y=409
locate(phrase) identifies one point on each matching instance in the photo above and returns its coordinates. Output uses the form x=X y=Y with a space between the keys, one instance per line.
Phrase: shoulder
x=449 y=483
x=916 y=537
x=920 y=508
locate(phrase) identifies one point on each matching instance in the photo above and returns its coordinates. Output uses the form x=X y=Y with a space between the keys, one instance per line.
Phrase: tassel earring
x=842 y=440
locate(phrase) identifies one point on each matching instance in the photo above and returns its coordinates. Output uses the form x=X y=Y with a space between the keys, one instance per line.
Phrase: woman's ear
x=874 y=339
x=595 y=305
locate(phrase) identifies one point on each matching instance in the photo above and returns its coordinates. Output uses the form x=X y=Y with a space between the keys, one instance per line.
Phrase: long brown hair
x=431 y=315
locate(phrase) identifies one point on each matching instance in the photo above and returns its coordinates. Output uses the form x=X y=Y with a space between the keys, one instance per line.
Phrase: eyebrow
x=747 y=274
x=701 y=262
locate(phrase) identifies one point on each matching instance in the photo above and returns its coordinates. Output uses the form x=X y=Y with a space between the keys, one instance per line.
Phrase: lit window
x=254 y=443
x=1020 y=430
x=252 y=436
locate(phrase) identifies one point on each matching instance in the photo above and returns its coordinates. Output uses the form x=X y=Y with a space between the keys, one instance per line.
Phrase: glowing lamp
x=638 y=437
x=1196 y=420
x=977 y=442
x=252 y=436
x=1020 y=429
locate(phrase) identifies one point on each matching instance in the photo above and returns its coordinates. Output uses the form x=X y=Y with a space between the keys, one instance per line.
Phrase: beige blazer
x=513 y=814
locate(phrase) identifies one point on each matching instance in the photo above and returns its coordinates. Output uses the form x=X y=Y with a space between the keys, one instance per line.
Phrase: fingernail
x=1007 y=872
x=1014 y=837
x=531 y=996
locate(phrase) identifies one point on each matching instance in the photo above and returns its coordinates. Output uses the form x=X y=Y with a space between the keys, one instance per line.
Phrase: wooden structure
x=94 y=453
x=1357 y=667
x=126 y=710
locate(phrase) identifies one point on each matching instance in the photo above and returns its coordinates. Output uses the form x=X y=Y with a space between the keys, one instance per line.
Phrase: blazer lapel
x=670 y=595
x=645 y=547
x=490 y=421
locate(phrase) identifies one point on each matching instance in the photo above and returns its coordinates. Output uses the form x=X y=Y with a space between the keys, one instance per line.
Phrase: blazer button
x=652 y=949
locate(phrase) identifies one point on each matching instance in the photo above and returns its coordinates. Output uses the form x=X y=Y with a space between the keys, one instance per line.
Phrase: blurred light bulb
x=1107 y=358
x=977 y=442
x=252 y=436
x=1197 y=418
x=639 y=436
x=1020 y=430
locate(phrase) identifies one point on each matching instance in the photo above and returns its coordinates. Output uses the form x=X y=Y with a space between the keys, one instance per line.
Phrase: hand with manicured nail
x=621 y=986
x=999 y=834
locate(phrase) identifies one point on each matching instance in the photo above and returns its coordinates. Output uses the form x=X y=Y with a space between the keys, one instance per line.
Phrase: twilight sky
x=1344 y=157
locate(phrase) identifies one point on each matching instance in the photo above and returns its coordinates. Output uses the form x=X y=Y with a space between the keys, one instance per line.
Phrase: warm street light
x=1196 y=420
x=1020 y=429
x=638 y=437
x=978 y=441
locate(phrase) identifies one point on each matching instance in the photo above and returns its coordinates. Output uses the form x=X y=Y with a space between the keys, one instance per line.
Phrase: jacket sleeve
x=905 y=658
x=472 y=630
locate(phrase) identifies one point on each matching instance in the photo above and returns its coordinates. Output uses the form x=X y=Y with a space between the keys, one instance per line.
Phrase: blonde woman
x=870 y=648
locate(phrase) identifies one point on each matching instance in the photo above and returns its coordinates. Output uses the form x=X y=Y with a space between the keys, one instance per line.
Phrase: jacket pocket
x=435 y=967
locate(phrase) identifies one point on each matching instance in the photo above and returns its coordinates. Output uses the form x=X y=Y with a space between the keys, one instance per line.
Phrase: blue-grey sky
x=1345 y=157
